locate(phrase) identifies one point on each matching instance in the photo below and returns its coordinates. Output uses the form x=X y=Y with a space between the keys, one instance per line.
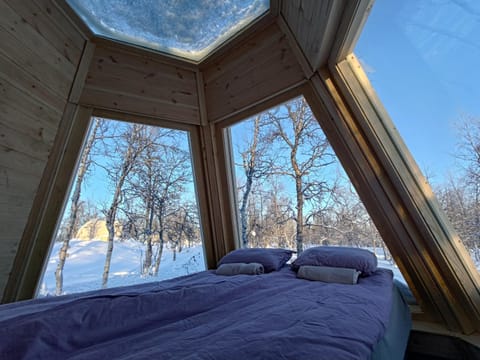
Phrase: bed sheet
x=205 y=316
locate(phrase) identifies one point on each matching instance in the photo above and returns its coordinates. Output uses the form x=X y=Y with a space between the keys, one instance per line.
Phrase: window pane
x=421 y=58
x=133 y=194
x=292 y=191
x=190 y=29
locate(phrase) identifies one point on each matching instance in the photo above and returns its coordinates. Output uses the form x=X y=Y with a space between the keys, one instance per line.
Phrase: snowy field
x=84 y=265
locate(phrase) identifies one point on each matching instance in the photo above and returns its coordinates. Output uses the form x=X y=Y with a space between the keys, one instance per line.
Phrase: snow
x=84 y=265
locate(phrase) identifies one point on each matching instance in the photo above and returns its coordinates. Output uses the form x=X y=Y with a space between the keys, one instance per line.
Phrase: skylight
x=188 y=29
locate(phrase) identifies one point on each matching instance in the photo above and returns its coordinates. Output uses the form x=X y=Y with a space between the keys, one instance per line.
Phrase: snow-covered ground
x=84 y=265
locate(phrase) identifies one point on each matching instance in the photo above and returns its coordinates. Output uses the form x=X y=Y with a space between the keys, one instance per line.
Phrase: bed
x=273 y=315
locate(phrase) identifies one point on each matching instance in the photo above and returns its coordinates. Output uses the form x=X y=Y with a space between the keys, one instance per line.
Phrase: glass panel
x=131 y=215
x=421 y=58
x=190 y=29
x=292 y=191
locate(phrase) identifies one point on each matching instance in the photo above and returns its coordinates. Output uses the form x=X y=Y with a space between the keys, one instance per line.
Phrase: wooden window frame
x=58 y=178
x=440 y=271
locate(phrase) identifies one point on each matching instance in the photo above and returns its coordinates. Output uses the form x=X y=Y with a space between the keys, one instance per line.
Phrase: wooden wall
x=259 y=68
x=39 y=54
x=140 y=82
x=314 y=24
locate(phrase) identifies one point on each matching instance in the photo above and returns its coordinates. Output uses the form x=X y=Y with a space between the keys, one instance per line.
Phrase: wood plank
x=18 y=172
x=249 y=50
x=255 y=108
x=12 y=115
x=354 y=18
x=154 y=55
x=29 y=37
x=142 y=76
x=18 y=204
x=35 y=65
x=296 y=49
x=33 y=146
x=18 y=162
x=201 y=99
x=39 y=50
x=27 y=104
x=44 y=17
x=258 y=26
x=314 y=25
x=258 y=68
x=203 y=195
x=141 y=85
x=82 y=71
x=102 y=99
x=29 y=84
x=157 y=88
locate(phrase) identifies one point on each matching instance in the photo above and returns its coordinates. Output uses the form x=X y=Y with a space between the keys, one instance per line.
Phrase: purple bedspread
x=204 y=316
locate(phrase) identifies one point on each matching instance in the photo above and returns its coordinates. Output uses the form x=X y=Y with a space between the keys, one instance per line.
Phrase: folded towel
x=240 y=268
x=328 y=274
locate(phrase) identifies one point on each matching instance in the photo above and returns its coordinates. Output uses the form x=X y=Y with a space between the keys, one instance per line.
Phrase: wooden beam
x=353 y=20
x=202 y=188
x=223 y=229
x=82 y=71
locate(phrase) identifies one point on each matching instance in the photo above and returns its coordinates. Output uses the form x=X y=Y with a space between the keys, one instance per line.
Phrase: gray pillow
x=271 y=259
x=328 y=274
x=240 y=269
x=336 y=256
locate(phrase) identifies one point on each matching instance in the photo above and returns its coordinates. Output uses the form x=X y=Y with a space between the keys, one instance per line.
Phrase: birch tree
x=254 y=168
x=154 y=192
x=130 y=148
x=71 y=225
x=469 y=153
x=174 y=176
x=308 y=153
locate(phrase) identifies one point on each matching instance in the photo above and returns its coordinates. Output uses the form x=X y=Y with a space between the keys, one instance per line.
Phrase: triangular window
x=291 y=190
x=132 y=214
x=421 y=58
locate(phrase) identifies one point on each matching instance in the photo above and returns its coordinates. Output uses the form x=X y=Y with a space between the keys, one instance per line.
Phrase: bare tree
x=71 y=225
x=300 y=136
x=130 y=148
x=254 y=167
x=174 y=176
x=153 y=191
x=468 y=197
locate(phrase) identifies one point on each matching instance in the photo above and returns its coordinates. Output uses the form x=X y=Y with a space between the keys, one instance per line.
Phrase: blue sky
x=422 y=59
